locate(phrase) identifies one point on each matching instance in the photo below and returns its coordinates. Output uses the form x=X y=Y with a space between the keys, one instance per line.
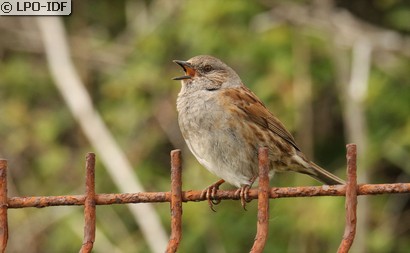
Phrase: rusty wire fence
x=176 y=197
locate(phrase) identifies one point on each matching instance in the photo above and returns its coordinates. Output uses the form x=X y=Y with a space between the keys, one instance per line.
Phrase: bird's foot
x=243 y=193
x=210 y=194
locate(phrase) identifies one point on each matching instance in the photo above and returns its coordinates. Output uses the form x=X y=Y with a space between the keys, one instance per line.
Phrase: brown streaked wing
x=245 y=100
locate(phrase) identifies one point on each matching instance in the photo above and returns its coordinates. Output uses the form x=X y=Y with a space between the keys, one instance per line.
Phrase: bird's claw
x=243 y=194
x=210 y=194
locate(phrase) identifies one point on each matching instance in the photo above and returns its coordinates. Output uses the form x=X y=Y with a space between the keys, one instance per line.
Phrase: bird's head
x=207 y=72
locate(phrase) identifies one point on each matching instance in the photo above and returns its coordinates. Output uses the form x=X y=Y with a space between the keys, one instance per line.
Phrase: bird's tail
x=322 y=175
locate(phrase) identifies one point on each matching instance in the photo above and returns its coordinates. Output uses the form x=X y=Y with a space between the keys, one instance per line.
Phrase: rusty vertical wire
x=4 y=234
x=89 y=205
x=351 y=200
x=176 y=201
x=263 y=202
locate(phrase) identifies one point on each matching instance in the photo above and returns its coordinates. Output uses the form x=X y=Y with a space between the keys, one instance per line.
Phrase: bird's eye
x=207 y=68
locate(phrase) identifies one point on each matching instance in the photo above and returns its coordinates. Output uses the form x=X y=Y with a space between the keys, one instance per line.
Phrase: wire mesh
x=176 y=197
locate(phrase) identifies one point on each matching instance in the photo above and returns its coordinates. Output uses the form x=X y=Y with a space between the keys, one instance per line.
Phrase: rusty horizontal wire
x=195 y=195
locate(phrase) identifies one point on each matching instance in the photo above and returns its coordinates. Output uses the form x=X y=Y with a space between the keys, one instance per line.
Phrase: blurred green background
x=333 y=71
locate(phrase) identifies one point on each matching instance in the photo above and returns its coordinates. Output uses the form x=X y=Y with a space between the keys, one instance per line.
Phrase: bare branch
x=79 y=102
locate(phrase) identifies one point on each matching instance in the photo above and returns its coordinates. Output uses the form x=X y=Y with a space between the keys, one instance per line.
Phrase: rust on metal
x=351 y=200
x=46 y=201
x=89 y=205
x=194 y=195
x=177 y=196
x=3 y=206
x=263 y=202
x=176 y=202
x=306 y=191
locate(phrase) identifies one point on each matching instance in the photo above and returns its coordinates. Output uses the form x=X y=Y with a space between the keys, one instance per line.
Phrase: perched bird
x=224 y=123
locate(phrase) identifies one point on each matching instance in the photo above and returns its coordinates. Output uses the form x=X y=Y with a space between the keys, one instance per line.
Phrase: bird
x=224 y=123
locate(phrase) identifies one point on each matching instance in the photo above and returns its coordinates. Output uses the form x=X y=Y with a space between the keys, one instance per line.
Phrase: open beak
x=189 y=70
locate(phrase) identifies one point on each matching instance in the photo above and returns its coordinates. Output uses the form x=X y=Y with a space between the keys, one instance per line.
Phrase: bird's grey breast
x=197 y=112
